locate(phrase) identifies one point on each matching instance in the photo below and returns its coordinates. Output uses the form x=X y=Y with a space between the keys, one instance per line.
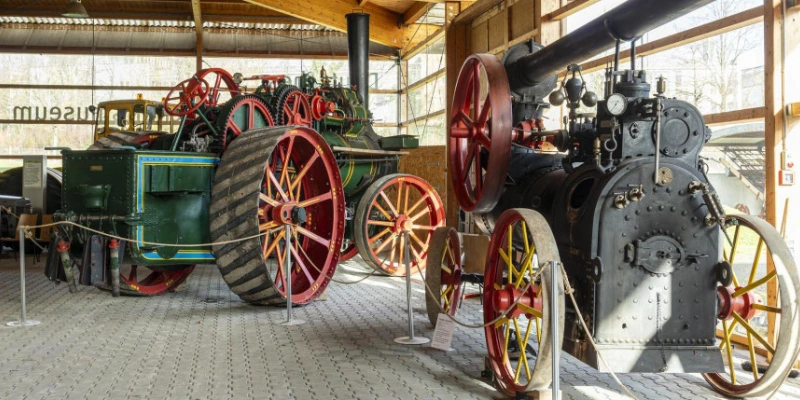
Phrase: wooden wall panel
x=521 y=18
x=498 y=29
x=428 y=163
x=479 y=38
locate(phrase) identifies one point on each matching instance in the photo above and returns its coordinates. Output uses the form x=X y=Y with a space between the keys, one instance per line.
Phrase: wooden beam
x=384 y=24
x=567 y=10
x=419 y=45
x=737 y=116
x=475 y=11
x=197 y=14
x=696 y=34
x=417 y=10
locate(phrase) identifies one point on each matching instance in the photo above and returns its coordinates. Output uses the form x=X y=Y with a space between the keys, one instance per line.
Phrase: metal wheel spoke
x=756 y=259
x=315 y=200
x=302 y=265
x=753 y=332
x=268 y=247
x=380 y=223
x=303 y=170
x=415 y=205
x=379 y=235
x=384 y=244
x=267 y=226
x=266 y=199
x=313 y=236
x=729 y=351
x=755 y=284
x=388 y=203
x=271 y=177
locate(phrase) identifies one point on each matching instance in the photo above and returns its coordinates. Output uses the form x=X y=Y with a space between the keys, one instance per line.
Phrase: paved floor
x=202 y=342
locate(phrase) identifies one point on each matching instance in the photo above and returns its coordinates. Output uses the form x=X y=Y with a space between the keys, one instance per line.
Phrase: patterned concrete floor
x=202 y=342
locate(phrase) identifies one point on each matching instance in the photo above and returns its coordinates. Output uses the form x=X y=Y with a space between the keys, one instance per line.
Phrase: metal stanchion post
x=410 y=339
x=23 y=315
x=287 y=280
x=554 y=273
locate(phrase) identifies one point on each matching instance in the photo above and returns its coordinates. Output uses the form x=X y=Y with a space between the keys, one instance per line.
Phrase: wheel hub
x=742 y=305
x=403 y=224
x=289 y=214
x=504 y=297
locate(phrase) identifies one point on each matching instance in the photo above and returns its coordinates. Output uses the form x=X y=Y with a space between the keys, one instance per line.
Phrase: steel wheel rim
x=219 y=76
x=153 y=283
x=380 y=236
x=528 y=374
x=312 y=176
x=186 y=91
x=786 y=344
x=474 y=133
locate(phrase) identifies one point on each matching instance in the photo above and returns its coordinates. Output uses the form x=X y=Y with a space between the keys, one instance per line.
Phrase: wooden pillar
x=782 y=132
x=455 y=54
x=199 y=51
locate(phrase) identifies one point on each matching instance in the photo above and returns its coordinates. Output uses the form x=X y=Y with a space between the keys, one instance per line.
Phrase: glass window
x=385 y=130
x=383 y=107
x=427 y=99
x=427 y=62
x=718 y=74
x=431 y=132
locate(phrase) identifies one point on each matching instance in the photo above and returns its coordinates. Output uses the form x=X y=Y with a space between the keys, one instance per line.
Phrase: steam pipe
x=630 y=20
x=358 y=53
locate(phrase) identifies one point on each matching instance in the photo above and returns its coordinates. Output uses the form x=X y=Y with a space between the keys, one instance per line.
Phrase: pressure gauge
x=616 y=104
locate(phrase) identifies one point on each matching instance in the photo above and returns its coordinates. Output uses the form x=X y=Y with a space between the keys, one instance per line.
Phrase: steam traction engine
x=664 y=279
x=243 y=165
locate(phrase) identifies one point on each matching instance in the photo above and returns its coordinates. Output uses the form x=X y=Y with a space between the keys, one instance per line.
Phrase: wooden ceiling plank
x=384 y=24
x=417 y=10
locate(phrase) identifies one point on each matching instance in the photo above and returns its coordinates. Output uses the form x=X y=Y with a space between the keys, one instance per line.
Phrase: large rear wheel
x=270 y=179
x=758 y=313
x=519 y=342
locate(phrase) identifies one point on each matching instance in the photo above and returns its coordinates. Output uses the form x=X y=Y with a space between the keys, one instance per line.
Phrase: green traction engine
x=254 y=175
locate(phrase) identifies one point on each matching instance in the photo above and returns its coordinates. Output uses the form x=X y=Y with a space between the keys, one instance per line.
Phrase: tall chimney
x=358 y=53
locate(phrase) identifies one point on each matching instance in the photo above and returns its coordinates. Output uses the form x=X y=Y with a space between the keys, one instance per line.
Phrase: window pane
x=383 y=107
x=718 y=74
x=430 y=132
x=427 y=62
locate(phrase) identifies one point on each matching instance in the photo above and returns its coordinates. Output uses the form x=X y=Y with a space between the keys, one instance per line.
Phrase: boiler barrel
x=627 y=21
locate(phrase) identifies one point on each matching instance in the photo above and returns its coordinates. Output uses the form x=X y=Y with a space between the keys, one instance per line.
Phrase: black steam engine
x=620 y=198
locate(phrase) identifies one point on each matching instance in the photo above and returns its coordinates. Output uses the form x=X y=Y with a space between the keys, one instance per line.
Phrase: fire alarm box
x=786 y=177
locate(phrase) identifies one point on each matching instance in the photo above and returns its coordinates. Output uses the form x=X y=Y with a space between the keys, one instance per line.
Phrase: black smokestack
x=358 y=53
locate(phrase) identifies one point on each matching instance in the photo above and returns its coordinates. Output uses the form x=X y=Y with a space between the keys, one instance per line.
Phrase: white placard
x=32 y=174
x=443 y=334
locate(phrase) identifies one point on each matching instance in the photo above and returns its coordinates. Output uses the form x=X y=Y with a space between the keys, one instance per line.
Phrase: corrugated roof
x=158 y=23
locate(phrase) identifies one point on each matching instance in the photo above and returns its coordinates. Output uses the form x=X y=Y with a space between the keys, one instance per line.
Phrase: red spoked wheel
x=292 y=107
x=269 y=180
x=216 y=77
x=390 y=208
x=443 y=274
x=243 y=113
x=480 y=133
x=151 y=281
x=186 y=97
x=755 y=326
x=521 y=244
